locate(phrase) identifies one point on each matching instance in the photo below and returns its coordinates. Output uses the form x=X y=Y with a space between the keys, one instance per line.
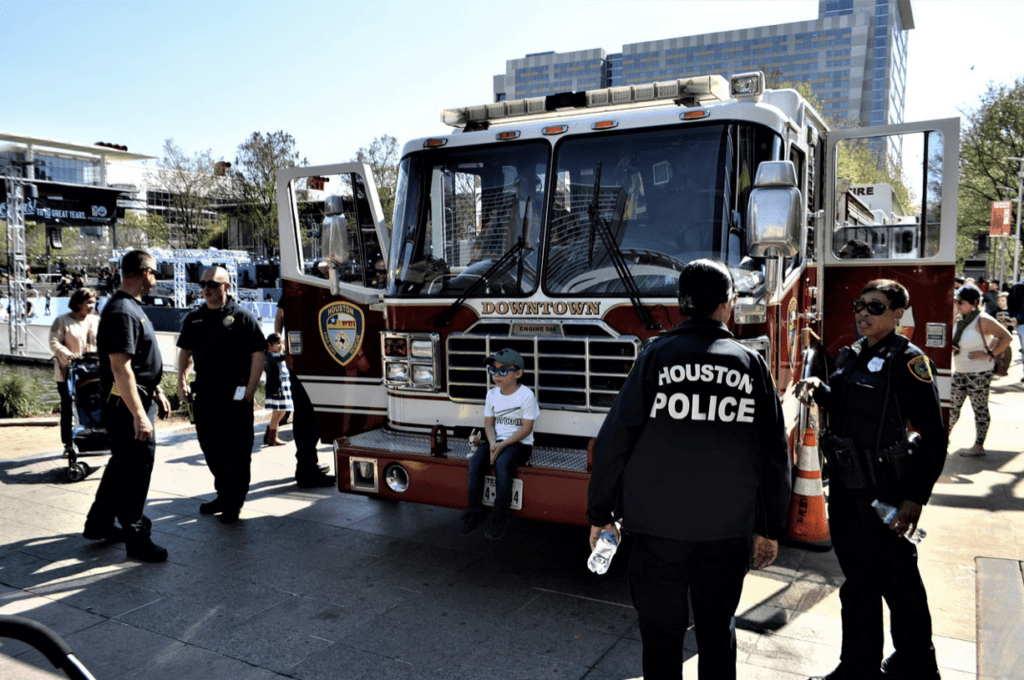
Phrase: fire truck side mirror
x=774 y=212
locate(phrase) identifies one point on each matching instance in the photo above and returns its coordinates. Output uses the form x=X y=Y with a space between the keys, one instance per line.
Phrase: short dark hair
x=79 y=297
x=898 y=296
x=703 y=285
x=272 y=338
x=136 y=261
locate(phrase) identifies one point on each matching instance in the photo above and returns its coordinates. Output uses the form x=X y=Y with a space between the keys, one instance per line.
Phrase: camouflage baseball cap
x=507 y=356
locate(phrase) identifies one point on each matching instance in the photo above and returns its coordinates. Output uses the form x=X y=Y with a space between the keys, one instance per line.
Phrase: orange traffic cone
x=808 y=525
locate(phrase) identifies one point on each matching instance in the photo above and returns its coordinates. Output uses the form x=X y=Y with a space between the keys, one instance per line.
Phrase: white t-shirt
x=510 y=410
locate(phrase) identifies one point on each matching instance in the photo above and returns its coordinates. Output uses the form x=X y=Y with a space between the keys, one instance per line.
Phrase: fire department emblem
x=341 y=329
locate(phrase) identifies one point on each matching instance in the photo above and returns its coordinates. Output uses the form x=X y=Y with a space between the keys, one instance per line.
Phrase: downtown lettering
x=546 y=308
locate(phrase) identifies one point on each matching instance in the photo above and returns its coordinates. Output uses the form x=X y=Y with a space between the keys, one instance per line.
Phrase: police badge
x=341 y=329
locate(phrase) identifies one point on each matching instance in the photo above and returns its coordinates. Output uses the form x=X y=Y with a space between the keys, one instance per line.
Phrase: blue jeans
x=505 y=466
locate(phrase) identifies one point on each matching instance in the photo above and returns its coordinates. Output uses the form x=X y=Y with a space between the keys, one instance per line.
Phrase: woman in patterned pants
x=978 y=338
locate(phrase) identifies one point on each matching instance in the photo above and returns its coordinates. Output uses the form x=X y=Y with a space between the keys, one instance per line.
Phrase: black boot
x=139 y=545
x=313 y=478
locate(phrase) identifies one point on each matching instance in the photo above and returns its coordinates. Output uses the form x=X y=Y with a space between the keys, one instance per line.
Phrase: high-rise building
x=854 y=57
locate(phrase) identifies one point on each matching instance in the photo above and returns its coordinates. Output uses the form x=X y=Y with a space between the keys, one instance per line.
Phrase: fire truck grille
x=581 y=373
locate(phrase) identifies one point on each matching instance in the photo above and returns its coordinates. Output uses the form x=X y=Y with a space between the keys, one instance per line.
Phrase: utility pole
x=1020 y=187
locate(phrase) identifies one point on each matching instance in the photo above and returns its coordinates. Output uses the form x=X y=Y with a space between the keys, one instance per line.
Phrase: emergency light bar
x=685 y=91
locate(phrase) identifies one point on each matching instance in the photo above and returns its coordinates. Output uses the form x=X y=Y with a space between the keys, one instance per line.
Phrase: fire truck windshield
x=666 y=196
x=459 y=211
x=662 y=197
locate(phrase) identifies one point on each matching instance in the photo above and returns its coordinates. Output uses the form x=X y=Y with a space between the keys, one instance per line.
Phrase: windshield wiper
x=615 y=253
x=445 y=317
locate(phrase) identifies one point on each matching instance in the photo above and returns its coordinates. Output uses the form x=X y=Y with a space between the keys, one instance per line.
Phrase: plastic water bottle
x=887 y=512
x=603 y=553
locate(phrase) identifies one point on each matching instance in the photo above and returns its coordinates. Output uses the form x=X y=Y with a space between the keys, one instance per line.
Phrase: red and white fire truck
x=557 y=226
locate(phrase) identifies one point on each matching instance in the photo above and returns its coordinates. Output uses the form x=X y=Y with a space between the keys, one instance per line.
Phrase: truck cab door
x=332 y=302
x=891 y=212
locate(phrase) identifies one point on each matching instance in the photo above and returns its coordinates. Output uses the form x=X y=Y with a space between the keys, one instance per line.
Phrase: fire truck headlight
x=398 y=371
x=423 y=348
x=422 y=375
x=396 y=477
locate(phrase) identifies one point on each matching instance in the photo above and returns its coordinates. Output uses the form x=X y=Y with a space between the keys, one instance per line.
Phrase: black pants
x=661 y=571
x=305 y=430
x=225 y=431
x=125 y=484
x=877 y=564
x=66 y=405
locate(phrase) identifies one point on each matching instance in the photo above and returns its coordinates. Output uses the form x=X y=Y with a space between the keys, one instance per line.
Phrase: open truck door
x=334 y=270
x=900 y=225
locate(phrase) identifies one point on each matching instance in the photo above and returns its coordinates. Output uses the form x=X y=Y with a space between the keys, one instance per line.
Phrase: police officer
x=693 y=459
x=227 y=345
x=881 y=383
x=130 y=370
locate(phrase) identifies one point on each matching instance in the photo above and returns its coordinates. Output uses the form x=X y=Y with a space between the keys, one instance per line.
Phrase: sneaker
x=146 y=551
x=497 y=529
x=211 y=507
x=471 y=520
x=110 y=532
x=312 y=480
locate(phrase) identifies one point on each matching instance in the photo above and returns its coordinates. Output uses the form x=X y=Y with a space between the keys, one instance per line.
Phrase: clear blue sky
x=338 y=74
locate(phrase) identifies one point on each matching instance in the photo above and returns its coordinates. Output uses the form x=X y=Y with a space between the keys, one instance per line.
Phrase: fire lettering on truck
x=725 y=407
x=341 y=329
x=547 y=308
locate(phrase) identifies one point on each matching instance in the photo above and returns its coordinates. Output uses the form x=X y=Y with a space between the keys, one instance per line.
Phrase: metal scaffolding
x=17 y=264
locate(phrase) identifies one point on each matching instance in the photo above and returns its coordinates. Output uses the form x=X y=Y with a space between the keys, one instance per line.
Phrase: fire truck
x=557 y=226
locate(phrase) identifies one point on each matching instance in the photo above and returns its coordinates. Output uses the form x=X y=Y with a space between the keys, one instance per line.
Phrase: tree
x=192 y=189
x=142 y=231
x=383 y=156
x=254 y=180
x=991 y=134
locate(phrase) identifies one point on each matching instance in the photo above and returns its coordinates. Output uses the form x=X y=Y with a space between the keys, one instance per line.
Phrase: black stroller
x=87 y=431
x=46 y=641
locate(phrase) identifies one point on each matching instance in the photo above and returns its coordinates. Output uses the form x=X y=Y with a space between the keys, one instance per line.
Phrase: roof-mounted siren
x=747 y=86
x=775 y=219
x=334 y=238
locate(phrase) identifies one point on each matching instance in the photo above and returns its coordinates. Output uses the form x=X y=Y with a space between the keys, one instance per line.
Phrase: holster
x=847 y=465
x=900 y=456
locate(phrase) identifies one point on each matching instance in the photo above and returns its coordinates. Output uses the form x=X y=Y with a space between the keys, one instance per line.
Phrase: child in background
x=509 y=413
x=279 y=388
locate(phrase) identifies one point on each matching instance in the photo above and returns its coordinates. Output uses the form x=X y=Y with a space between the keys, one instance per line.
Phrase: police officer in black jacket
x=692 y=451
x=229 y=350
x=130 y=371
x=881 y=383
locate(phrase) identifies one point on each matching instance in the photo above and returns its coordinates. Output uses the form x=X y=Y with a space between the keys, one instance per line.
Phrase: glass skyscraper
x=854 y=57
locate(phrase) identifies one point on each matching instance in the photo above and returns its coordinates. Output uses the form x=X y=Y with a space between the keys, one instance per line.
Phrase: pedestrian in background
x=224 y=343
x=977 y=341
x=700 y=496
x=130 y=371
x=71 y=336
x=305 y=428
x=278 y=388
x=881 y=384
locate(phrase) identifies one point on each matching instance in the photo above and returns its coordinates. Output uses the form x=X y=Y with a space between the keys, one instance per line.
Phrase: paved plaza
x=314 y=584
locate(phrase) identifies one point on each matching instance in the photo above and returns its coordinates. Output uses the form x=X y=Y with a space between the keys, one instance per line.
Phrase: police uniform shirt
x=696 y=436
x=222 y=342
x=856 y=396
x=125 y=329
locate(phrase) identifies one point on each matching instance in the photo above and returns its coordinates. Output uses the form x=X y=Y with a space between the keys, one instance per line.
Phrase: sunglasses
x=503 y=371
x=874 y=307
x=149 y=269
x=211 y=284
